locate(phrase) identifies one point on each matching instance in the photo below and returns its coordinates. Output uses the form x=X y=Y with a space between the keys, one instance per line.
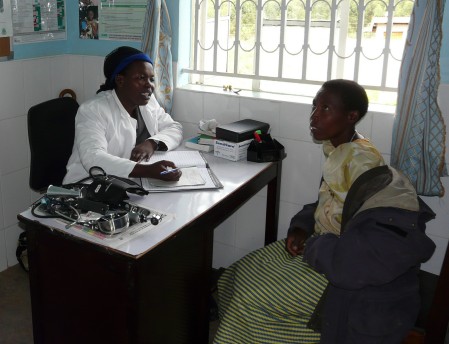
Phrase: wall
x=25 y=83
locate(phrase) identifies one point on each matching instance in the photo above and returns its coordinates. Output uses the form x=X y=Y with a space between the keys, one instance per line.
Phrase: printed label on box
x=231 y=150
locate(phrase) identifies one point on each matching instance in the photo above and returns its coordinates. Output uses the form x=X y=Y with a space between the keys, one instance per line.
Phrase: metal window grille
x=299 y=42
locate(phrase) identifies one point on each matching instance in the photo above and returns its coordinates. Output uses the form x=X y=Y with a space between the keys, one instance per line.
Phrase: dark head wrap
x=116 y=61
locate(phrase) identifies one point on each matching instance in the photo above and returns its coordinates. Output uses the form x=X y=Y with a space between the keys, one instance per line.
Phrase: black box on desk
x=241 y=130
x=265 y=151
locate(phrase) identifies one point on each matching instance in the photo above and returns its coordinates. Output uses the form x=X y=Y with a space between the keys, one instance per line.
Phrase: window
x=293 y=46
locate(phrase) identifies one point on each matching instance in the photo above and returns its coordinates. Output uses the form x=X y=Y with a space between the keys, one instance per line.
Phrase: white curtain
x=419 y=132
x=156 y=42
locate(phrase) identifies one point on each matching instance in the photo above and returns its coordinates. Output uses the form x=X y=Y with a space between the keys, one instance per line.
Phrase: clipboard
x=194 y=166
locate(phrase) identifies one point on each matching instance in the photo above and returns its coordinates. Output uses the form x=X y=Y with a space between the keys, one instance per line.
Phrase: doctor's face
x=135 y=84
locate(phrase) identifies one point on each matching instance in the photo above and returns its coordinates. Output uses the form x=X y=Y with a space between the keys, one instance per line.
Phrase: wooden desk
x=155 y=289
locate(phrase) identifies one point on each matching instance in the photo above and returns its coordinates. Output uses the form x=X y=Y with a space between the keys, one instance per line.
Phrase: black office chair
x=51 y=132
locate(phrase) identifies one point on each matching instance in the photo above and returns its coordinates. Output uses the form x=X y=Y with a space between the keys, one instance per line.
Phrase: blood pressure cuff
x=106 y=192
x=111 y=189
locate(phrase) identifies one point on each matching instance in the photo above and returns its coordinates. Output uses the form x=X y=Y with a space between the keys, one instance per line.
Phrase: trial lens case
x=240 y=130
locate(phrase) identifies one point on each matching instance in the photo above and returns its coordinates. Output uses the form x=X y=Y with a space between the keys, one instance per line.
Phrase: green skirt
x=268 y=297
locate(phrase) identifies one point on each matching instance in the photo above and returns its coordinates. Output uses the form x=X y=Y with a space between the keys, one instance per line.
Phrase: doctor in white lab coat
x=124 y=124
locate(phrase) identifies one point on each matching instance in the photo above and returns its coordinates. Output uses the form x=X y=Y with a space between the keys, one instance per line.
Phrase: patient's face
x=329 y=119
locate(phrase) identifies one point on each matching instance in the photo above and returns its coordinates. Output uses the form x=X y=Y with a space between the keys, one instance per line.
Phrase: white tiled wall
x=32 y=81
x=25 y=83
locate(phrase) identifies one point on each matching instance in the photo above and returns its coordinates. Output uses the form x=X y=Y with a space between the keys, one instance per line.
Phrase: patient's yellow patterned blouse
x=341 y=168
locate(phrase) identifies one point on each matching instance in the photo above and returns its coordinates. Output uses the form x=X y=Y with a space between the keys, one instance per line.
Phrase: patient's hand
x=296 y=239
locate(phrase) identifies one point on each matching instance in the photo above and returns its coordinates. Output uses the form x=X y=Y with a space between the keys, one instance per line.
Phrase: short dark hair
x=353 y=95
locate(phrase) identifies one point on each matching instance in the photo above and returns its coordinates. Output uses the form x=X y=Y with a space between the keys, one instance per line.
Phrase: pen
x=170 y=170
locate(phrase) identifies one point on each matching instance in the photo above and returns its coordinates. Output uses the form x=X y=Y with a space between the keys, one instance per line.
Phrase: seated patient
x=124 y=124
x=362 y=242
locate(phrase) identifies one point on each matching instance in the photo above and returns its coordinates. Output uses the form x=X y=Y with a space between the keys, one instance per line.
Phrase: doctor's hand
x=163 y=170
x=296 y=239
x=143 y=151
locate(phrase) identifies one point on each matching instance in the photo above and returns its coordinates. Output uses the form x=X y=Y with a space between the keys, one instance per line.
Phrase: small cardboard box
x=234 y=151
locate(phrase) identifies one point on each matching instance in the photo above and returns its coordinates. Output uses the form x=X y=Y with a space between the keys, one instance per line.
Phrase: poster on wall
x=38 y=20
x=88 y=20
x=119 y=20
x=5 y=19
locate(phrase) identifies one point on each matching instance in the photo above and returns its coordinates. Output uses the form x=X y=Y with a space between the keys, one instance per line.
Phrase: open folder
x=196 y=173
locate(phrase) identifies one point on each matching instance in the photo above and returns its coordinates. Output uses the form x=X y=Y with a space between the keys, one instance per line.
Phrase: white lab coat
x=105 y=135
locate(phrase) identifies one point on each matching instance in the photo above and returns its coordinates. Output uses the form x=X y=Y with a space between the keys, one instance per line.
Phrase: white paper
x=186 y=158
x=190 y=176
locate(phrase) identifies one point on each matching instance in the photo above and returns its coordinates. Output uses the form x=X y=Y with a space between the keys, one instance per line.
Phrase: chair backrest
x=51 y=132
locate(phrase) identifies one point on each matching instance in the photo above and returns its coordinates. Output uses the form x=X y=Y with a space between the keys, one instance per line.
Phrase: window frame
x=197 y=64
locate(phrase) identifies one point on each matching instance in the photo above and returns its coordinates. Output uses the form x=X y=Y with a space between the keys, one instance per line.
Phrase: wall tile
x=440 y=205
x=15 y=195
x=60 y=77
x=439 y=225
x=93 y=75
x=37 y=84
x=387 y=158
x=223 y=255
x=239 y=253
x=250 y=229
x=34 y=196
x=364 y=127
x=443 y=99
x=187 y=106
x=189 y=129
x=433 y=265
x=11 y=237
x=294 y=121
x=3 y=260
x=2 y=224
x=301 y=172
x=12 y=95
x=225 y=233
x=286 y=212
x=223 y=108
x=76 y=78
x=382 y=131
x=13 y=144
x=261 y=110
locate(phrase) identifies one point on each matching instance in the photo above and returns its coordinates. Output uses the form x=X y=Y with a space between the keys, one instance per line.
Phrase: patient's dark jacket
x=372 y=267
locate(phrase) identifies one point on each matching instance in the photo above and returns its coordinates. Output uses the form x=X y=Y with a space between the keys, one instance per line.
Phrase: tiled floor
x=15 y=308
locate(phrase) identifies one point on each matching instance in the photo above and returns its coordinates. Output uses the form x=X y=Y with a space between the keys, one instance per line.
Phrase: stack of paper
x=194 y=143
x=206 y=139
x=196 y=173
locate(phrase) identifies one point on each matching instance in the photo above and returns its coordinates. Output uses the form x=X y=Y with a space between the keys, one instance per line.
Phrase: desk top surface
x=185 y=206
